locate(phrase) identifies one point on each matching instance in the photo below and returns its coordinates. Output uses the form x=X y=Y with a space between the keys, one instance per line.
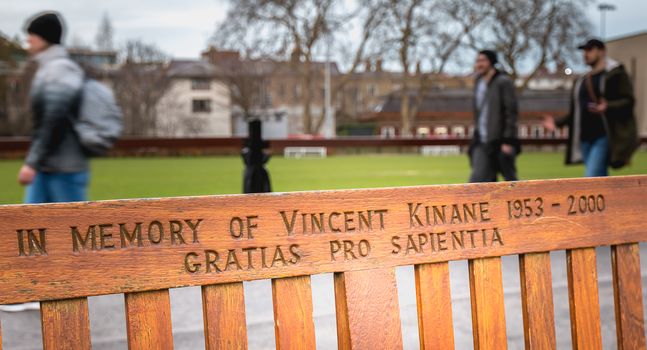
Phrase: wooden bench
x=60 y=254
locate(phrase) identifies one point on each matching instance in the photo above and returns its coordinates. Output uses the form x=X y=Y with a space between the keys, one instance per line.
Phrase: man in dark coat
x=494 y=145
x=601 y=122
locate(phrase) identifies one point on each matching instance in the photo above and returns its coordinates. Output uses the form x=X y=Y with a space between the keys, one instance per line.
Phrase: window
x=423 y=131
x=297 y=91
x=358 y=98
x=523 y=131
x=458 y=131
x=372 y=90
x=387 y=132
x=201 y=106
x=267 y=99
x=440 y=131
x=200 y=84
x=537 y=131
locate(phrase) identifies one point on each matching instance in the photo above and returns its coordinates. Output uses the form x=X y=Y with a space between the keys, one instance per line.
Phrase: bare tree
x=105 y=33
x=531 y=34
x=423 y=35
x=368 y=17
x=139 y=84
x=293 y=30
x=247 y=80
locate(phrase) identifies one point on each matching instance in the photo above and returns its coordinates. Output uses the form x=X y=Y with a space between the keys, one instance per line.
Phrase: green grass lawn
x=162 y=177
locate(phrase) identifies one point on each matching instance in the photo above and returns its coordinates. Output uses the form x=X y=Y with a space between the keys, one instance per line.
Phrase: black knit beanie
x=491 y=56
x=47 y=26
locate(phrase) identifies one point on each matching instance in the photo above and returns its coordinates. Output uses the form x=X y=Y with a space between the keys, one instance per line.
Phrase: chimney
x=214 y=56
x=368 y=67
x=295 y=57
x=378 y=65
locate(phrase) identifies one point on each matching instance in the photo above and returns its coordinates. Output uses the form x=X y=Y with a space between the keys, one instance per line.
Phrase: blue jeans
x=596 y=156
x=58 y=187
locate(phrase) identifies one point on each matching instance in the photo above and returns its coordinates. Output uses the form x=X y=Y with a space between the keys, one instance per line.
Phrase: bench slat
x=223 y=308
x=434 y=301
x=368 y=315
x=627 y=291
x=583 y=299
x=148 y=320
x=537 y=301
x=66 y=324
x=488 y=311
x=293 y=322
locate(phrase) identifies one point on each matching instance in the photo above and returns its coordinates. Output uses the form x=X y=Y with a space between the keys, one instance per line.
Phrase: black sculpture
x=256 y=179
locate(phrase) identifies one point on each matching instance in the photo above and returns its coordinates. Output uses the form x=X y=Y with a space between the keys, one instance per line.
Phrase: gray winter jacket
x=55 y=95
x=502 y=111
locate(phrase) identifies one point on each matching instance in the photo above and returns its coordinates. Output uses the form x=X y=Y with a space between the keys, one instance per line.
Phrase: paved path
x=22 y=330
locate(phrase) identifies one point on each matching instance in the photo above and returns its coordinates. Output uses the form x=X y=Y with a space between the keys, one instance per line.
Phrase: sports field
x=114 y=178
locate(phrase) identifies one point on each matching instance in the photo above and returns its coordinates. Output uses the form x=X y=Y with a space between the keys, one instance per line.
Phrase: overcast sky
x=183 y=27
x=179 y=27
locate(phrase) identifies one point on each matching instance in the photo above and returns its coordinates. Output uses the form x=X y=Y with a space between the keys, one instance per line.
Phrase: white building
x=196 y=104
x=274 y=125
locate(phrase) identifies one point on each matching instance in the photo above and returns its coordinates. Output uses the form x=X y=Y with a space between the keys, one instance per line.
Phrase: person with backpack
x=602 y=129
x=73 y=118
x=56 y=168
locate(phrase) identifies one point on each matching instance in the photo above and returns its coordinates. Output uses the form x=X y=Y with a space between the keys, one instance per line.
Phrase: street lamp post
x=604 y=7
x=329 y=123
x=329 y=117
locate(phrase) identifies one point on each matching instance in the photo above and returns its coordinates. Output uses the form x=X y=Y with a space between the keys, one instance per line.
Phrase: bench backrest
x=62 y=253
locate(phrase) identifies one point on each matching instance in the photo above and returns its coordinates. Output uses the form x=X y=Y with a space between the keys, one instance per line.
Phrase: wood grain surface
x=148 y=320
x=584 y=301
x=627 y=291
x=223 y=313
x=293 y=323
x=434 y=301
x=150 y=244
x=488 y=310
x=66 y=324
x=537 y=301
x=368 y=315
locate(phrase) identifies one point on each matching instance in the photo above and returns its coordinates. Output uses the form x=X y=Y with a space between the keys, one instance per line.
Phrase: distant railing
x=17 y=146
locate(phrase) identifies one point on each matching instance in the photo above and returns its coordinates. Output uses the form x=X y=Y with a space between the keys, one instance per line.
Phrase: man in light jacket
x=494 y=145
x=56 y=167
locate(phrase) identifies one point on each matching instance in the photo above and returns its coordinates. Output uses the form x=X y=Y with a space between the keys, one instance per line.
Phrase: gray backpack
x=100 y=122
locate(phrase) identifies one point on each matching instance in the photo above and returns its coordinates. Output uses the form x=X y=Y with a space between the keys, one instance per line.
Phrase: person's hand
x=26 y=175
x=507 y=149
x=600 y=108
x=549 y=122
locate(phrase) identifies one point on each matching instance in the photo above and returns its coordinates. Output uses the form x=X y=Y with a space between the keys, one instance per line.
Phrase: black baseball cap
x=592 y=43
